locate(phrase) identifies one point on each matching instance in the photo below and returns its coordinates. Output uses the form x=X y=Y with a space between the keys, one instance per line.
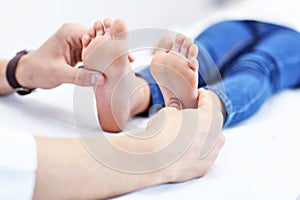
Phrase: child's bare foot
x=105 y=50
x=175 y=68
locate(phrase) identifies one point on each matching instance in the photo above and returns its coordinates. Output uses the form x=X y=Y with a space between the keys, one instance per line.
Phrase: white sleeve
x=18 y=162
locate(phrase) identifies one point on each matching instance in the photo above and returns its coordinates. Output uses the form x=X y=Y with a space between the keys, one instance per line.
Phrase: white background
x=26 y=24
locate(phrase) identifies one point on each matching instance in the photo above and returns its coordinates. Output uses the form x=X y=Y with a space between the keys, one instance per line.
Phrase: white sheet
x=260 y=159
x=18 y=162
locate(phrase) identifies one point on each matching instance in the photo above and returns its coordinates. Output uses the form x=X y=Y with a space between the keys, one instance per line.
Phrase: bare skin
x=175 y=69
x=52 y=64
x=67 y=171
x=174 y=66
x=123 y=95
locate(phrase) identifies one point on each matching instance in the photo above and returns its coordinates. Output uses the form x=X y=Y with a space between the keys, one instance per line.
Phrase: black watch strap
x=11 y=74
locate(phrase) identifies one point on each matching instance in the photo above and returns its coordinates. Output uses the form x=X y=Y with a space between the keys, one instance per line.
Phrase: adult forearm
x=67 y=171
x=4 y=86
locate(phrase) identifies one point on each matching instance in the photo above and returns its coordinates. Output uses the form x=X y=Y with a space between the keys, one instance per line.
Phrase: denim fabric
x=255 y=60
x=157 y=100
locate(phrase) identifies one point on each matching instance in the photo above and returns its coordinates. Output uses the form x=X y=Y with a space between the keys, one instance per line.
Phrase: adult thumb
x=84 y=77
x=204 y=99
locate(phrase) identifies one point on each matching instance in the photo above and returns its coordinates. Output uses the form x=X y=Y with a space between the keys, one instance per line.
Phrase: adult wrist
x=23 y=73
x=15 y=74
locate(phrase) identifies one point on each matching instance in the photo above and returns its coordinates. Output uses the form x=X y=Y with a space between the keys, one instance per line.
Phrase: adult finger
x=204 y=99
x=73 y=32
x=82 y=77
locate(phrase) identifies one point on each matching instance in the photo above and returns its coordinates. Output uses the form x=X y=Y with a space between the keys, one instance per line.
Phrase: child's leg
x=255 y=59
x=217 y=45
x=123 y=94
x=223 y=42
x=220 y=44
x=269 y=67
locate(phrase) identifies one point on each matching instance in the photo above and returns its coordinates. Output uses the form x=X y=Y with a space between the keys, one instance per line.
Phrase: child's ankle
x=140 y=101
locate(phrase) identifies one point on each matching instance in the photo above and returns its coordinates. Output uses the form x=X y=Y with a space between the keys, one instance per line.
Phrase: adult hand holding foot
x=175 y=68
x=53 y=63
x=65 y=169
x=208 y=140
x=98 y=181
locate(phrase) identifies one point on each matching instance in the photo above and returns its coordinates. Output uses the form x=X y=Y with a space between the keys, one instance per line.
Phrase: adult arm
x=66 y=170
x=52 y=63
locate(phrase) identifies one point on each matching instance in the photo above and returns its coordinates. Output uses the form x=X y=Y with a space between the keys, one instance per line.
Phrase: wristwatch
x=11 y=74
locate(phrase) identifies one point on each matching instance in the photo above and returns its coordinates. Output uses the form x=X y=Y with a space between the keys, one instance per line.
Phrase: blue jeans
x=255 y=60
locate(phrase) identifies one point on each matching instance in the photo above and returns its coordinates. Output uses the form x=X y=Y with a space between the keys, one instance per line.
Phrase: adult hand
x=53 y=63
x=62 y=178
x=208 y=141
x=188 y=142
